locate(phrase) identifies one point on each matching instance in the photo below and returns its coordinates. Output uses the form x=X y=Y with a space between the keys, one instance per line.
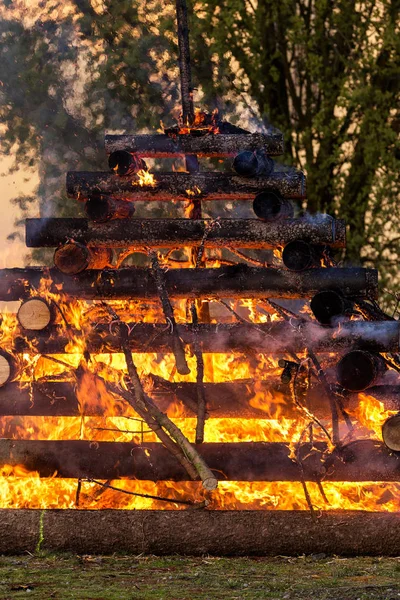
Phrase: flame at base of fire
x=21 y=489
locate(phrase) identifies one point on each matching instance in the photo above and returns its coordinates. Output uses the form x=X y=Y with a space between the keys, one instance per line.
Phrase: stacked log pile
x=340 y=346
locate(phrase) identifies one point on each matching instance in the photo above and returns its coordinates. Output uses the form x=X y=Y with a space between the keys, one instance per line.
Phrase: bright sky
x=12 y=185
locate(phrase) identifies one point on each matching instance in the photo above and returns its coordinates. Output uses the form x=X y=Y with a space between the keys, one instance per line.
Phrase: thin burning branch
x=174 y=186
x=145 y=407
x=170 y=233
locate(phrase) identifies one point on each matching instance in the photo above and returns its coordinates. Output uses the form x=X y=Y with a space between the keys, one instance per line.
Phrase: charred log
x=299 y=255
x=173 y=186
x=328 y=305
x=224 y=400
x=271 y=206
x=246 y=461
x=168 y=233
x=161 y=146
x=278 y=337
x=253 y=164
x=239 y=281
x=101 y=209
x=73 y=258
x=125 y=163
x=358 y=369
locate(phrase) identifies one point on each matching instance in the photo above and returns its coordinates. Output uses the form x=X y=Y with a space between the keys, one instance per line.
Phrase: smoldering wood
x=210 y=145
x=230 y=399
x=237 y=281
x=73 y=257
x=278 y=337
x=174 y=186
x=360 y=369
x=364 y=460
x=215 y=533
x=169 y=233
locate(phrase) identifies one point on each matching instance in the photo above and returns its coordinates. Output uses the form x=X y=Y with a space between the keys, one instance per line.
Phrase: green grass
x=69 y=577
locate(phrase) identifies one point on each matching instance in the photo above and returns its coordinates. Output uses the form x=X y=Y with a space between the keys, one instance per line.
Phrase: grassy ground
x=69 y=577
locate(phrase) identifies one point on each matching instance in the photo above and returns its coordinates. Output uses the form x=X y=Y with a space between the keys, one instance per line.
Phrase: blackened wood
x=209 y=532
x=223 y=145
x=238 y=281
x=224 y=400
x=169 y=233
x=184 y=63
x=101 y=209
x=359 y=369
x=245 y=461
x=73 y=258
x=170 y=186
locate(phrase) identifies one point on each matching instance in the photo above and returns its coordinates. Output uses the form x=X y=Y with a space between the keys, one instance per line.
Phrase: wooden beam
x=220 y=145
x=171 y=233
x=175 y=186
x=238 y=281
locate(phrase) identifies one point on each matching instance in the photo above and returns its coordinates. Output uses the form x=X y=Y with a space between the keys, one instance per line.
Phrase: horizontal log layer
x=174 y=186
x=218 y=533
x=224 y=400
x=277 y=337
x=172 y=233
x=246 y=461
x=161 y=146
x=239 y=281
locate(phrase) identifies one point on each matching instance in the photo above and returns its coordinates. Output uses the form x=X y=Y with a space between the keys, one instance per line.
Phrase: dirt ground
x=316 y=577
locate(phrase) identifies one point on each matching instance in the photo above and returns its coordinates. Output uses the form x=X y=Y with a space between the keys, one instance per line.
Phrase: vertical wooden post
x=184 y=63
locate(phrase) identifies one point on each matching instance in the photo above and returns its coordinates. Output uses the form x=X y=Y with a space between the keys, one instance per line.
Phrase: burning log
x=278 y=337
x=253 y=164
x=222 y=145
x=271 y=206
x=175 y=186
x=168 y=233
x=7 y=367
x=391 y=433
x=299 y=255
x=101 y=209
x=363 y=460
x=224 y=400
x=238 y=281
x=35 y=314
x=358 y=369
x=73 y=258
x=327 y=305
x=125 y=163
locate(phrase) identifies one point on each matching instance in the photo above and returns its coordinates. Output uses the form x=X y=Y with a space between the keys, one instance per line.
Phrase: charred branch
x=222 y=145
x=238 y=281
x=169 y=233
x=175 y=186
x=365 y=460
x=253 y=164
